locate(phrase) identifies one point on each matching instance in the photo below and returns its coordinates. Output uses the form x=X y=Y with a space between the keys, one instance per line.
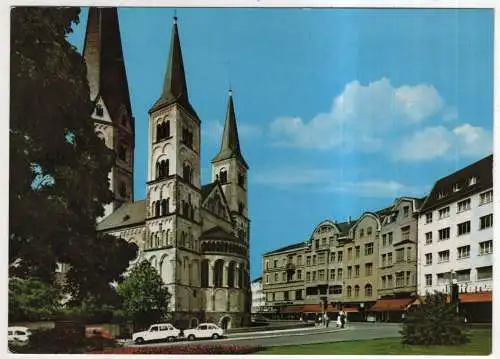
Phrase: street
x=354 y=331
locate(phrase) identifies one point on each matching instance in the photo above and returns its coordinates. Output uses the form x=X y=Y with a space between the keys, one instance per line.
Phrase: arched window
x=157 y=240
x=356 y=291
x=349 y=291
x=187 y=173
x=223 y=176
x=167 y=238
x=368 y=290
x=162 y=131
x=218 y=273
x=157 y=208
x=164 y=210
x=204 y=273
x=151 y=238
x=230 y=274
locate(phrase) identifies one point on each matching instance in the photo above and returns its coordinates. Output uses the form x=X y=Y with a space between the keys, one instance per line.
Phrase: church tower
x=173 y=196
x=112 y=114
x=230 y=169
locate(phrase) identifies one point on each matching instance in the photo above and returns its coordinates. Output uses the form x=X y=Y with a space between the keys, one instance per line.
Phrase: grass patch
x=479 y=344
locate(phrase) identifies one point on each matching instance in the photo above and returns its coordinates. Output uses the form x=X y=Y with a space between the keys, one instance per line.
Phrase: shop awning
x=391 y=305
x=480 y=297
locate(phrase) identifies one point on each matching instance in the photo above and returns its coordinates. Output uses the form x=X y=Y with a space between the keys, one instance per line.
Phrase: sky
x=340 y=111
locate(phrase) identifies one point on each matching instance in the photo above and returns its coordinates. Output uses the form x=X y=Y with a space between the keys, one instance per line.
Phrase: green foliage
x=31 y=300
x=435 y=322
x=58 y=166
x=145 y=297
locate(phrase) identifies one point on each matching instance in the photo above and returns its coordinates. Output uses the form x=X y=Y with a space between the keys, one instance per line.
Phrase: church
x=196 y=236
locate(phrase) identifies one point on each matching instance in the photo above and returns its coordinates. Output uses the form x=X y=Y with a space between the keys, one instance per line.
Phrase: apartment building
x=258 y=300
x=283 y=277
x=456 y=236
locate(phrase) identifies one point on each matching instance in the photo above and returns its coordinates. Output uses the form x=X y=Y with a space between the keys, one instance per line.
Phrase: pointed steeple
x=104 y=59
x=230 y=146
x=174 y=85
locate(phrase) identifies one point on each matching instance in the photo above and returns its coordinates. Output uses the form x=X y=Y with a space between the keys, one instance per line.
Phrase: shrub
x=184 y=349
x=435 y=322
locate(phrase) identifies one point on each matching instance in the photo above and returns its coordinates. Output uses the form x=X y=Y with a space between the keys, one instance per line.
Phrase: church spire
x=230 y=147
x=174 y=85
x=104 y=59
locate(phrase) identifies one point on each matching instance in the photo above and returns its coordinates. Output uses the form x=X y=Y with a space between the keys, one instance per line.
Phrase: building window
x=99 y=111
x=308 y=276
x=400 y=255
x=369 y=231
x=456 y=187
x=339 y=274
x=299 y=260
x=162 y=131
x=444 y=234
x=332 y=257
x=285 y=295
x=223 y=176
x=384 y=240
x=349 y=272
x=384 y=258
x=337 y=289
x=384 y=283
x=349 y=291
x=298 y=294
x=339 y=257
x=444 y=212
x=405 y=233
x=463 y=228
x=162 y=169
x=299 y=274
x=444 y=256
x=428 y=218
x=275 y=263
x=485 y=273
x=486 y=197
x=390 y=283
x=321 y=274
x=356 y=291
x=187 y=173
x=314 y=275
x=316 y=244
x=267 y=265
x=368 y=269
x=308 y=260
x=463 y=275
x=428 y=238
x=406 y=211
x=463 y=206
x=361 y=232
x=187 y=137
x=267 y=278
x=358 y=250
x=314 y=259
x=428 y=258
x=472 y=181
x=485 y=247
x=368 y=249
x=356 y=271
x=274 y=297
x=463 y=252
x=276 y=277
x=486 y=221
x=323 y=243
x=283 y=277
x=389 y=258
x=349 y=254
x=321 y=258
x=400 y=279
x=428 y=280
x=389 y=238
x=332 y=274
x=368 y=290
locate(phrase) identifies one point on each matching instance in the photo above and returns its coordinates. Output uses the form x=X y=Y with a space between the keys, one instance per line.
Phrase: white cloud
x=360 y=116
x=439 y=142
x=450 y=114
x=246 y=130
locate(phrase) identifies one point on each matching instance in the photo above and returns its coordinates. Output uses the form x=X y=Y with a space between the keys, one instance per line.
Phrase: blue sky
x=339 y=110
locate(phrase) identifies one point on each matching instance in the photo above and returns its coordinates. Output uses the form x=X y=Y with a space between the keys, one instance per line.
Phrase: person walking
x=342 y=319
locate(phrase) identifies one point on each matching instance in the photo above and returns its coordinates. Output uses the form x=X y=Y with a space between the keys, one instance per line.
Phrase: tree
x=58 y=166
x=435 y=322
x=145 y=297
x=31 y=299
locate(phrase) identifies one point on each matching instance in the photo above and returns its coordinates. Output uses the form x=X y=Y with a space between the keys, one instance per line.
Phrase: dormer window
x=456 y=187
x=472 y=181
x=441 y=195
x=99 y=111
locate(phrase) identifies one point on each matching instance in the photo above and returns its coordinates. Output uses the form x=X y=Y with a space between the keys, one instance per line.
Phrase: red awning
x=391 y=305
x=292 y=309
x=480 y=297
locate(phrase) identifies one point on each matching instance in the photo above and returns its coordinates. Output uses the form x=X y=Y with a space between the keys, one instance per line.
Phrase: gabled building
x=196 y=236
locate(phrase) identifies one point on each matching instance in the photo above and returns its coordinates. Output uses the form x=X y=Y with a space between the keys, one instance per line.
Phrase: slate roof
x=128 y=214
x=103 y=53
x=287 y=248
x=344 y=227
x=174 y=85
x=218 y=233
x=482 y=170
x=230 y=146
x=206 y=189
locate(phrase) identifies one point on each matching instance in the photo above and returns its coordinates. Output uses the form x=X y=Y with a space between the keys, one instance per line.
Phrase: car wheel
x=215 y=336
x=139 y=341
x=170 y=339
x=191 y=337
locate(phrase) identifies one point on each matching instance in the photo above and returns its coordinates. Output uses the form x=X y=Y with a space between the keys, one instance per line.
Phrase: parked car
x=204 y=331
x=18 y=334
x=157 y=332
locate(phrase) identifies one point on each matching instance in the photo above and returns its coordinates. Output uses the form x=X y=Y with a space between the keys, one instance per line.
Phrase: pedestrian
x=342 y=319
x=339 y=321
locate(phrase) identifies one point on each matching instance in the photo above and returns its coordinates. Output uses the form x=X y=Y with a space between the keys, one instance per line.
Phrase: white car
x=157 y=332
x=203 y=331
x=18 y=334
